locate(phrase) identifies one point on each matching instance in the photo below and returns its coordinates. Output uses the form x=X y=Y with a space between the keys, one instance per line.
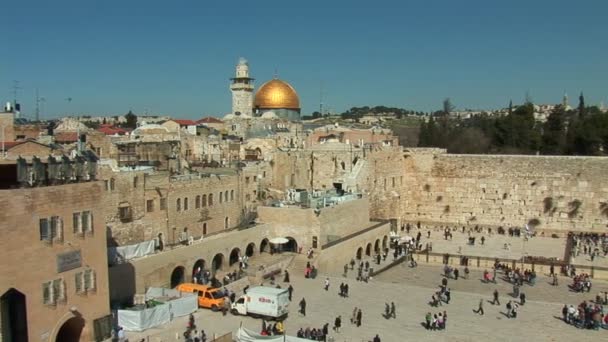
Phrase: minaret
x=242 y=89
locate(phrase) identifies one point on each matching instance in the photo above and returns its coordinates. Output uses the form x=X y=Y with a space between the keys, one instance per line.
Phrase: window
x=107 y=184
x=163 y=203
x=77 y=223
x=264 y=174
x=255 y=178
x=232 y=195
x=185 y=203
x=57 y=228
x=197 y=202
x=210 y=199
x=45 y=231
x=87 y=222
x=204 y=201
x=221 y=197
x=226 y=196
x=246 y=180
x=393 y=182
x=135 y=179
x=150 y=206
x=205 y=228
x=112 y=184
x=125 y=213
x=85 y=281
x=53 y=292
x=178 y=204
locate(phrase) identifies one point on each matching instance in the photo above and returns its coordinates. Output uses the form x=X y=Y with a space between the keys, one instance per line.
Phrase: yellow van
x=208 y=297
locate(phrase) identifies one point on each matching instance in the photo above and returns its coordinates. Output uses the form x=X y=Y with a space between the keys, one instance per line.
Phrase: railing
x=348 y=237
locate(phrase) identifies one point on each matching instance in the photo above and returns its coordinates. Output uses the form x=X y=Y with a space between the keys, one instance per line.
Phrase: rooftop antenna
x=15 y=90
x=39 y=100
x=321 y=99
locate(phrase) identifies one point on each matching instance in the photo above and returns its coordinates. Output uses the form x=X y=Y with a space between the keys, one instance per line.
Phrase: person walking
x=387 y=311
x=326 y=284
x=290 y=290
x=286 y=277
x=480 y=308
x=341 y=289
x=377 y=338
x=345 y=269
x=428 y=319
x=466 y=272
x=495 y=301
x=456 y=274
x=522 y=298
x=393 y=312
x=337 y=324
x=448 y=296
x=359 y=316
x=353 y=318
x=303 y=307
x=345 y=290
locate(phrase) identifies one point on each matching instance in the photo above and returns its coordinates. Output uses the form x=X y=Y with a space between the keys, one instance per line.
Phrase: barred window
x=45 y=231
x=47 y=293
x=77 y=223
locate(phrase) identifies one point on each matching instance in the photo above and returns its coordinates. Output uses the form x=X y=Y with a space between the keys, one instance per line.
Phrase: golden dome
x=276 y=94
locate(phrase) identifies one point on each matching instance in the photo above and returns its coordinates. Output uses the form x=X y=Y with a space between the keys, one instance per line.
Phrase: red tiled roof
x=10 y=144
x=107 y=130
x=185 y=122
x=210 y=119
x=66 y=136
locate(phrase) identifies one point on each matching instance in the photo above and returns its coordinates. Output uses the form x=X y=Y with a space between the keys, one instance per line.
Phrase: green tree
x=131 y=120
x=448 y=107
x=554 y=132
x=581 y=105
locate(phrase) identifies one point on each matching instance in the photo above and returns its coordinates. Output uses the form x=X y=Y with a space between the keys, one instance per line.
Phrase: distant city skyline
x=156 y=57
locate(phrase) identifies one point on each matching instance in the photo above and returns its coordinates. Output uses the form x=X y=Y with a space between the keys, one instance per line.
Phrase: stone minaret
x=242 y=89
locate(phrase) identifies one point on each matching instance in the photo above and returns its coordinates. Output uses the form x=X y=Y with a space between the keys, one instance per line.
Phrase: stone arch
x=368 y=249
x=71 y=330
x=199 y=263
x=177 y=276
x=14 y=316
x=359 y=253
x=384 y=242
x=250 y=250
x=234 y=256
x=217 y=263
x=377 y=246
x=264 y=246
x=291 y=246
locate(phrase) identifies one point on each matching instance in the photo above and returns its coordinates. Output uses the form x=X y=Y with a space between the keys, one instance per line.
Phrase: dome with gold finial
x=277 y=94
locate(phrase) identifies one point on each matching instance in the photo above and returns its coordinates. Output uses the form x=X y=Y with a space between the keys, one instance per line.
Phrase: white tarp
x=134 y=320
x=117 y=255
x=246 y=335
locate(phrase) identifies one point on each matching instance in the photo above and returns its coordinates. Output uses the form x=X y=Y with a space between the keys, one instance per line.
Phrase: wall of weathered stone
x=560 y=193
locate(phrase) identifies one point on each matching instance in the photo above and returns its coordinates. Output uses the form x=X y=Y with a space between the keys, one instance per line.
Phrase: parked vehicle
x=264 y=302
x=208 y=297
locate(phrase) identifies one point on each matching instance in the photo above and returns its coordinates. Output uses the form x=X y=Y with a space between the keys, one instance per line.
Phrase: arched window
x=226 y=196
x=178 y=204
x=197 y=202
x=210 y=199
x=221 y=197
x=204 y=201
x=185 y=203
x=232 y=195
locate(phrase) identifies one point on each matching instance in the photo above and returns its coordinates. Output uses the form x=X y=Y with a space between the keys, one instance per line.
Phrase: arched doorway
x=234 y=256
x=368 y=249
x=216 y=264
x=264 y=246
x=291 y=246
x=359 y=253
x=377 y=246
x=14 y=316
x=250 y=250
x=384 y=242
x=177 y=276
x=70 y=330
x=198 y=269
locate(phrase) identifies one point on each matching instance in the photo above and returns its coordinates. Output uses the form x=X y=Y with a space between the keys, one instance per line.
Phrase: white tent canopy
x=279 y=240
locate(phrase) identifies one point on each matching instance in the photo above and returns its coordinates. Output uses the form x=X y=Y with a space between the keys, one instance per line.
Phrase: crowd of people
x=581 y=283
x=589 y=244
x=585 y=316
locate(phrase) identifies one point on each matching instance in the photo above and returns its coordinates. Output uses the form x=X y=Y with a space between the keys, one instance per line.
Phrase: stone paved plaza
x=410 y=289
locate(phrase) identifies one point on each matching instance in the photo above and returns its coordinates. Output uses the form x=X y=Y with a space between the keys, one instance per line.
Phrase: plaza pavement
x=410 y=289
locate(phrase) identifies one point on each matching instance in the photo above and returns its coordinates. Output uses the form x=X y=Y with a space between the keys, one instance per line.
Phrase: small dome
x=277 y=94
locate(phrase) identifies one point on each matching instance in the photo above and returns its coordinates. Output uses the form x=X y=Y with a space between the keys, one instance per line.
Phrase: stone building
x=54 y=284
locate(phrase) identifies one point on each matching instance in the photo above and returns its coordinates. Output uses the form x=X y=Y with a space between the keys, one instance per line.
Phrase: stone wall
x=28 y=262
x=555 y=194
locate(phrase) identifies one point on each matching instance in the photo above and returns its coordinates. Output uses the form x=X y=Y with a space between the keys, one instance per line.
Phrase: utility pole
x=39 y=100
x=15 y=90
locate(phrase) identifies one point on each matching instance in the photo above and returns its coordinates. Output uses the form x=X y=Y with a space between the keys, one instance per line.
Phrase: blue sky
x=175 y=57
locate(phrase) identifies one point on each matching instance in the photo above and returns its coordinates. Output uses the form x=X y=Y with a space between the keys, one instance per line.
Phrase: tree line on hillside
x=356 y=113
x=582 y=131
